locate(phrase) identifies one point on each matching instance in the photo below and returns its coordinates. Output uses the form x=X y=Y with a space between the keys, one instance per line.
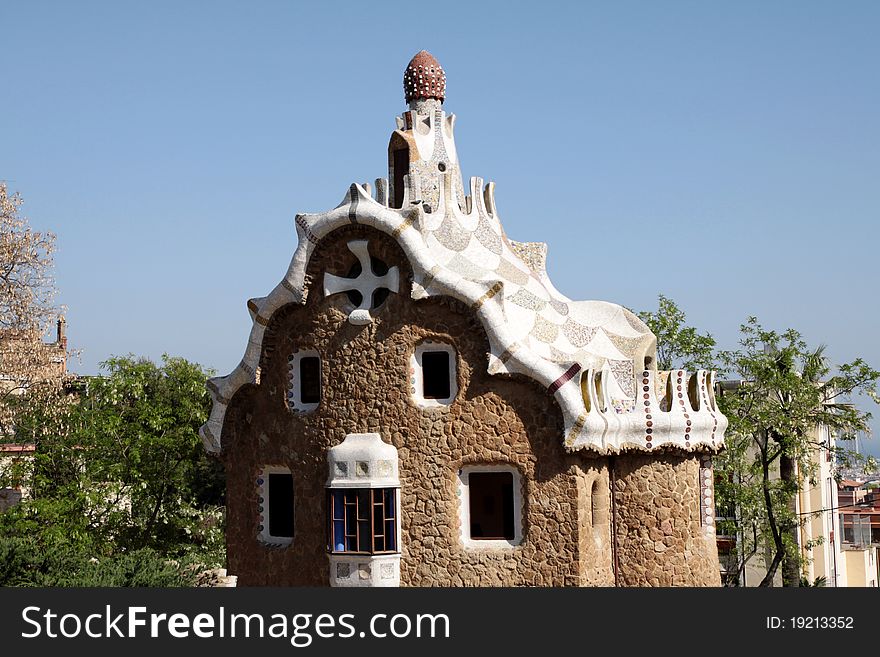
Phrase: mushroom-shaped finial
x=424 y=78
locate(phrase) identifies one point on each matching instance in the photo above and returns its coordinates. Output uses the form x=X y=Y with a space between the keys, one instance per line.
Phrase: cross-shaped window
x=367 y=285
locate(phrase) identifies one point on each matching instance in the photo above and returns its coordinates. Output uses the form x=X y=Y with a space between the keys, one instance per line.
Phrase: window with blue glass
x=363 y=520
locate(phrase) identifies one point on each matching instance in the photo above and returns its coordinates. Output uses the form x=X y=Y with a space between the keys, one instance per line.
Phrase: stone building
x=25 y=361
x=417 y=405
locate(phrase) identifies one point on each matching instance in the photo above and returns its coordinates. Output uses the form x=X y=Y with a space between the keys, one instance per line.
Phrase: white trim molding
x=263 y=506
x=465 y=507
x=417 y=374
x=294 y=389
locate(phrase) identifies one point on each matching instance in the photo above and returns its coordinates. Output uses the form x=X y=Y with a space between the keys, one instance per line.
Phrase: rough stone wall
x=365 y=388
x=659 y=537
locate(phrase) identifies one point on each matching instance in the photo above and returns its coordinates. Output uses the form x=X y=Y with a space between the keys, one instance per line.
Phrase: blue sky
x=724 y=154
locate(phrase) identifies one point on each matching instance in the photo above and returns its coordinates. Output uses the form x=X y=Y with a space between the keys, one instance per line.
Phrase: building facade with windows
x=859 y=508
x=25 y=361
x=835 y=536
x=817 y=504
x=417 y=405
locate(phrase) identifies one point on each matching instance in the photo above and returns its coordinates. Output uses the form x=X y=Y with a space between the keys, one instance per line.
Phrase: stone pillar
x=661 y=538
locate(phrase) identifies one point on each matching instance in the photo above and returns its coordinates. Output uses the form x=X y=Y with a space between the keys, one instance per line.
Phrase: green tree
x=678 y=345
x=137 y=428
x=119 y=467
x=784 y=391
x=780 y=391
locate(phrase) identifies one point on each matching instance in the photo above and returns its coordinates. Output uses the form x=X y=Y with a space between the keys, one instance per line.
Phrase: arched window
x=694 y=390
x=398 y=165
x=596 y=506
x=400 y=162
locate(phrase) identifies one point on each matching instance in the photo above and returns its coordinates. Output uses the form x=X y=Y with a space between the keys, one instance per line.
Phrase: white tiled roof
x=532 y=328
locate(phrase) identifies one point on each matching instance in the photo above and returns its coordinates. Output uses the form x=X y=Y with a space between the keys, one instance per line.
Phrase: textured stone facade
x=495 y=419
x=660 y=539
x=601 y=452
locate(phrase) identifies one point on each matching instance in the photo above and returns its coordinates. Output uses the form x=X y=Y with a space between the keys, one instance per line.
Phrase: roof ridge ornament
x=424 y=78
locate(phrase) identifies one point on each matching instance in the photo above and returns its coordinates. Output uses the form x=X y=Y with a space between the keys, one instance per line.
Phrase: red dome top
x=424 y=78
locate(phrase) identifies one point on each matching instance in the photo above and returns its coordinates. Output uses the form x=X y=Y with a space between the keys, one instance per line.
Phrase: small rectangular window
x=435 y=375
x=280 y=505
x=310 y=379
x=304 y=389
x=491 y=506
x=433 y=367
x=363 y=520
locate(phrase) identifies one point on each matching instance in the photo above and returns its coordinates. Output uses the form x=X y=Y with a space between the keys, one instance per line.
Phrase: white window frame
x=294 y=390
x=417 y=374
x=263 y=490
x=465 y=507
